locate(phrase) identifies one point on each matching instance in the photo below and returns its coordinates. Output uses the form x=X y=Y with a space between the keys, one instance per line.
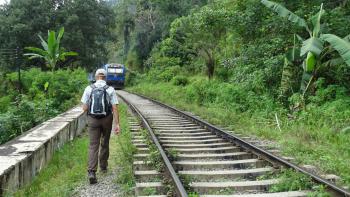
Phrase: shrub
x=37 y=104
x=169 y=73
x=133 y=78
x=230 y=96
x=164 y=74
x=4 y=103
x=180 y=80
x=166 y=62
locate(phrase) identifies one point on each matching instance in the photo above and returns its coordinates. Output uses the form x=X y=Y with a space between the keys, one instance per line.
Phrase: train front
x=115 y=75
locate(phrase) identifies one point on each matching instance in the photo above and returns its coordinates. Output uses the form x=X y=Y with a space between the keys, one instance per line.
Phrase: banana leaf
x=340 y=45
x=285 y=13
x=314 y=45
x=316 y=21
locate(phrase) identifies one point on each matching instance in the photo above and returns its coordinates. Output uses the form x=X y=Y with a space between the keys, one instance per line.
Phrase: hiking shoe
x=92 y=177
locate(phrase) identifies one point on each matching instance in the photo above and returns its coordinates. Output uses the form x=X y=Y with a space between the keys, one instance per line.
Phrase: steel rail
x=336 y=190
x=180 y=190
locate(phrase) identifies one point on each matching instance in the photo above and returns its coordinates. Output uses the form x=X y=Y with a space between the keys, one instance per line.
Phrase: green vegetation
x=290 y=180
x=313 y=47
x=87 y=23
x=314 y=136
x=149 y=191
x=65 y=172
x=67 y=169
x=233 y=62
x=124 y=156
x=172 y=154
x=259 y=69
x=154 y=159
x=193 y=194
x=87 y=30
x=52 y=52
x=43 y=102
x=143 y=23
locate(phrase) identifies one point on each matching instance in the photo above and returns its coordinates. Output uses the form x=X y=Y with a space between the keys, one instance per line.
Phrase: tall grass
x=125 y=156
x=312 y=136
x=65 y=172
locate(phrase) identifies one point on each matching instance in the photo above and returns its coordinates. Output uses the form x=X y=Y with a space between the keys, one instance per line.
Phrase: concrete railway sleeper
x=209 y=161
x=149 y=178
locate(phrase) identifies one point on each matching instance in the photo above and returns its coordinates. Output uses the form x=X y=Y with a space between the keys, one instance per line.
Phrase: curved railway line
x=206 y=160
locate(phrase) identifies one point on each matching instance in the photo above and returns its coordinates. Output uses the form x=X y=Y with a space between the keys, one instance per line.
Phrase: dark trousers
x=99 y=132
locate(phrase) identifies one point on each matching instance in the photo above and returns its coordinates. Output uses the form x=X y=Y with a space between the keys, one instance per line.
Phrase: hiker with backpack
x=101 y=104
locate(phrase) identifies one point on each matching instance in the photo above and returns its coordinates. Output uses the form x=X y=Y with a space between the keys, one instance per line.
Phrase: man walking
x=101 y=104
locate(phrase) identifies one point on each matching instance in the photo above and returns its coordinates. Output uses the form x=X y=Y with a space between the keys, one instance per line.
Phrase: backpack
x=99 y=103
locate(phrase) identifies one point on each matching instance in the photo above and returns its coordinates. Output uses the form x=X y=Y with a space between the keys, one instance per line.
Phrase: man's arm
x=116 y=118
x=85 y=107
x=85 y=99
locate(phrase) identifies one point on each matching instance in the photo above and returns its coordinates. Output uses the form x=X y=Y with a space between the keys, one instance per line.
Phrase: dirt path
x=106 y=186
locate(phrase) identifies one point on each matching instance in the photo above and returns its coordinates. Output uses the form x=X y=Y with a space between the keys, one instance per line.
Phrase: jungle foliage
x=39 y=94
x=65 y=89
x=51 y=50
x=242 y=63
x=245 y=43
x=87 y=27
x=141 y=24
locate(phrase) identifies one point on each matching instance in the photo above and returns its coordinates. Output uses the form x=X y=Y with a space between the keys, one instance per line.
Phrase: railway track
x=202 y=160
x=150 y=180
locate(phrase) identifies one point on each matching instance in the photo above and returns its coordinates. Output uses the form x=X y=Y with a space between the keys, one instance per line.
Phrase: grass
x=124 y=156
x=65 y=172
x=68 y=168
x=290 y=180
x=149 y=191
x=308 y=140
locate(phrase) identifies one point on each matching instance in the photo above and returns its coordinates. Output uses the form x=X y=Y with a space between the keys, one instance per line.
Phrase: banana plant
x=313 y=49
x=340 y=45
x=291 y=69
x=51 y=50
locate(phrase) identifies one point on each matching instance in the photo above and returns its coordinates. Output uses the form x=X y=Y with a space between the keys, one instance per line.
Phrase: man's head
x=101 y=74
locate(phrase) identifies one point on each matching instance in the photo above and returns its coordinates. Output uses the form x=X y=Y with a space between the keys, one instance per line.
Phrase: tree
x=313 y=49
x=87 y=23
x=199 y=35
x=212 y=24
x=141 y=24
x=52 y=52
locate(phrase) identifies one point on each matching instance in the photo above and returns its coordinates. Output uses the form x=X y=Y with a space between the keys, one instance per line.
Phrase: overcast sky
x=2 y=2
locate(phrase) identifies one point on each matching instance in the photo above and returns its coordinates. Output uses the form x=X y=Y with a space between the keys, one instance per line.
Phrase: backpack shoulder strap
x=106 y=93
x=105 y=87
x=92 y=86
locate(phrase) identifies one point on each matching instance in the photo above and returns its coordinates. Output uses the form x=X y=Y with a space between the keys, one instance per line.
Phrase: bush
x=37 y=104
x=230 y=96
x=133 y=78
x=163 y=61
x=180 y=80
x=165 y=74
x=4 y=103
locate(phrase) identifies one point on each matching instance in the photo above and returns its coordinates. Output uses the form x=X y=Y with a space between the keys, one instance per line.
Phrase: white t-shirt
x=100 y=83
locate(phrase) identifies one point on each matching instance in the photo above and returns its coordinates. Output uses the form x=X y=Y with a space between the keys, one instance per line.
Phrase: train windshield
x=115 y=70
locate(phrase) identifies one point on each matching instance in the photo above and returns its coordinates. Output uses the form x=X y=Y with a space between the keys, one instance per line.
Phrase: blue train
x=115 y=75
